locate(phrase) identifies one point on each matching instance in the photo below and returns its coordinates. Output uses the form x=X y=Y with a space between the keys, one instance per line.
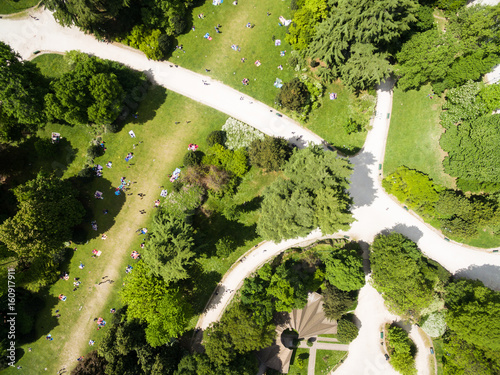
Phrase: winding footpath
x=373 y=209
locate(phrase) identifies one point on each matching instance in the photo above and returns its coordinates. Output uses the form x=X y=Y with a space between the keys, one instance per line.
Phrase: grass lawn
x=51 y=65
x=11 y=6
x=255 y=44
x=438 y=350
x=163 y=147
x=329 y=119
x=414 y=134
x=295 y=369
x=326 y=360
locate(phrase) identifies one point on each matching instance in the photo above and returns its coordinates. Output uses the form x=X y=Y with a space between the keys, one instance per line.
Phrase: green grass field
x=295 y=369
x=414 y=134
x=51 y=65
x=224 y=64
x=10 y=6
x=326 y=360
x=161 y=151
x=438 y=350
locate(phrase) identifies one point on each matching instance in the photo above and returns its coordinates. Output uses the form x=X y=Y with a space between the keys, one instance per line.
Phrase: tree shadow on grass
x=136 y=113
x=211 y=229
x=251 y=205
x=201 y=286
x=95 y=208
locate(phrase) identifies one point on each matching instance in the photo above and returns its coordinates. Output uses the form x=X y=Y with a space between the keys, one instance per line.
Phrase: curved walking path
x=373 y=209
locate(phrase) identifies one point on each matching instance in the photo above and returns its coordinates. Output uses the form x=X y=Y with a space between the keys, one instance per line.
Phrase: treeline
x=94 y=91
x=462 y=312
x=149 y=25
x=362 y=42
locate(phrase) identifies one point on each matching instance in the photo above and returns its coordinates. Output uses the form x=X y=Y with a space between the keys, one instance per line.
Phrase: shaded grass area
x=163 y=146
x=11 y=6
x=414 y=134
x=295 y=369
x=51 y=65
x=326 y=360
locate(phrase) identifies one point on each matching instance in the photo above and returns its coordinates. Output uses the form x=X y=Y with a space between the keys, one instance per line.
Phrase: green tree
x=472 y=312
x=48 y=209
x=472 y=149
x=344 y=269
x=490 y=95
x=463 y=358
x=254 y=296
x=151 y=301
x=168 y=251
x=346 y=330
x=426 y=57
x=313 y=194
x=400 y=349
x=413 y=188
x=336 y=301
x=216 y=137
x=301 y=31
x=365 y=67
x=107 y=95
x=293 y=95
x=92 y=364
x=451 y=5
x=21 y=93
x=402 y=275
x=146 y=40
x=236 y=333
x=270 y=153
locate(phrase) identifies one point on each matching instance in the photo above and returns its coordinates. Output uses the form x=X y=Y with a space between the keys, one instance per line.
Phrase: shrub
x=346 y=330
x=224 y=246
x=270 y=153
x=239 y=134
x=216 y=137
x=301 y=360
x=435 y=324
x=310 y=342
x=294 y=95
x=336 y=301
x=293 y=61
x=351 y=126
x=95 y=151
x=314 y=63
x=192 y=158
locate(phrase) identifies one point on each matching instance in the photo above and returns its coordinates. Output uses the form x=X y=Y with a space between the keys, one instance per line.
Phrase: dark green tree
x=346 y=330
x=216 y=137
x=401 y=351
x=92 y=364
x=21 y=94
x=168 y=251
x=48 y=209
x=270 y=153
x=312 y=195
x=293 y=95
x=336 y=301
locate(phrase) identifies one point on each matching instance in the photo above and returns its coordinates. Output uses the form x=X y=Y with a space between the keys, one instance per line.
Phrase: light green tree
x=344 y=269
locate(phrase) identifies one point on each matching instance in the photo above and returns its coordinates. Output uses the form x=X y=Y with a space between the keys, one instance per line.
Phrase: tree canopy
x=21 y=95
x=401 y=351
x=48 y=209
x=312 y=195
x=151 y=301
x=472 y=313
x=344 y=269
x=404 y=277
x=168 y=250
x=270 y=153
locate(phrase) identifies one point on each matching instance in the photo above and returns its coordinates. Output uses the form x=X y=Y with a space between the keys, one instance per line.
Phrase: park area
x=414 y=134
x=12 y=6
x=94 y=283
x=263 y=42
